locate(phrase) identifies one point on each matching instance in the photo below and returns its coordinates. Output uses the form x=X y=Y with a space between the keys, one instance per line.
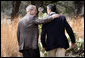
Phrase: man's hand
x=73 y=45
x=55 y=15
x=44 y=48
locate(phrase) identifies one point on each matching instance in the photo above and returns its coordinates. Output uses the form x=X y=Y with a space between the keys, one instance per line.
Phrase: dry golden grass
x=9 y=44
x=77 y=25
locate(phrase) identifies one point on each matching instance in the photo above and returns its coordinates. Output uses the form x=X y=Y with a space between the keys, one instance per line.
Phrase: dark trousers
x=30 y=53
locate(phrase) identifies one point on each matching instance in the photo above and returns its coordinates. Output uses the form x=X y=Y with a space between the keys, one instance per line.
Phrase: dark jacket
x=55 y=31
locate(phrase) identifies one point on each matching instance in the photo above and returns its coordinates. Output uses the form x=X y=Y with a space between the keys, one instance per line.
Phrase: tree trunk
x=15 y=9
x=78 y=7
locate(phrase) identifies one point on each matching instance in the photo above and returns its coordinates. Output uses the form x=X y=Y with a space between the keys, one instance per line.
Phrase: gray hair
x=30 y=7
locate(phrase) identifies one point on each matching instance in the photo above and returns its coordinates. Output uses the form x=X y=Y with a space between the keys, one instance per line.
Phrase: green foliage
x=65 y=7
x=78 y=50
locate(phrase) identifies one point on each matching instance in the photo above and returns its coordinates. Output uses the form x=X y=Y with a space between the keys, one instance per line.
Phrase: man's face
x=34 y=11
x=48 y=10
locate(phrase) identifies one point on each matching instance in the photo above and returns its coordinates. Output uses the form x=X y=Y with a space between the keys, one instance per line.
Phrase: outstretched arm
x=47 y=19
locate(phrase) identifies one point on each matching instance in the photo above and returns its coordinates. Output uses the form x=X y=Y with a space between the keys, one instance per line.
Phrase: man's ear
x=50 y=10
x=30 y=11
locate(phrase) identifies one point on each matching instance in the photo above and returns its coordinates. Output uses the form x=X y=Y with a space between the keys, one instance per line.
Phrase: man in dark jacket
x=27 y=33
x=56 y=41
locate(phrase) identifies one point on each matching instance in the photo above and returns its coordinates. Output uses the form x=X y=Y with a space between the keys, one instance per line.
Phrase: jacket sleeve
x=69 y=31
x=43 y=36
x=18 y=32
x=45 y=20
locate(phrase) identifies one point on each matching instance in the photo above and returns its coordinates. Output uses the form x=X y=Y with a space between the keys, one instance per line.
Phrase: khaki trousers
x=58 y=52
